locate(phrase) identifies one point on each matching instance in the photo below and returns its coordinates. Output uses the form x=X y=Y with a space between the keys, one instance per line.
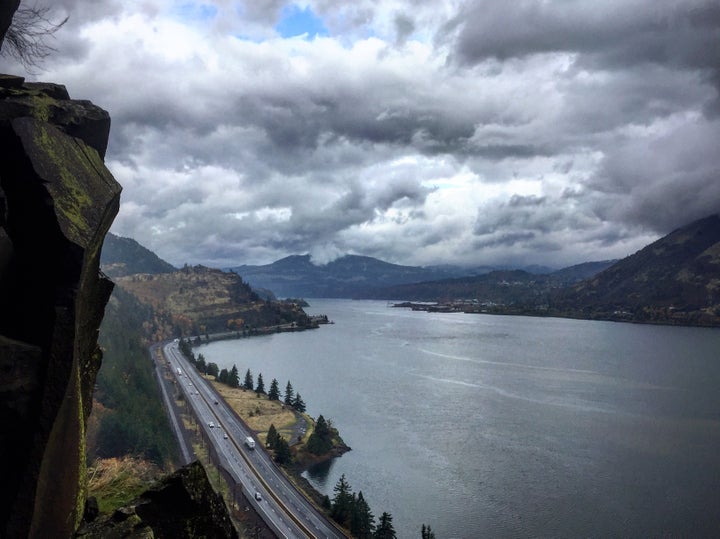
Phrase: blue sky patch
x=295 y=22
x=195 y=11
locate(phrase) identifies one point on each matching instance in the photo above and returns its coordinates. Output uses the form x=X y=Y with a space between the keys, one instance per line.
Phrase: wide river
x=499 y=426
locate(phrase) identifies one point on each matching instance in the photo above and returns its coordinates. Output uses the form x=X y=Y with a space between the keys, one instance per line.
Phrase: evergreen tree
x=186 y=349
x=289 y=394
x=200 y=364
x=282 y=451
x=272 y=436
x=274 y=393
x=426 y=532
x=213 y=369
x=248 y=383
x=233 y=379
x=260 y=385
x=362 y=521
x=342 y=502
x=224 y=376
x=298 y=403
x=321 y=427
x=385 y=528
x=320 y=441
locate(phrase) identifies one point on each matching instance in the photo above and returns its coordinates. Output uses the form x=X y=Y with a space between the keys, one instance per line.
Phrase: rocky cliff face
x=57 y=202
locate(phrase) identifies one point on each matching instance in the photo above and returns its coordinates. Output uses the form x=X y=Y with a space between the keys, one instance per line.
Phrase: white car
x=258 y=496
x=211 y=425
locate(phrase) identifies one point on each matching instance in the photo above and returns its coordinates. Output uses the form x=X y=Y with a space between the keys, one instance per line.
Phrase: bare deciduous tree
x=26 y=39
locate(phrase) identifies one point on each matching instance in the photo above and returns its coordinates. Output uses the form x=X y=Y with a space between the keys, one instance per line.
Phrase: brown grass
x=117 y=481
x=258 y=412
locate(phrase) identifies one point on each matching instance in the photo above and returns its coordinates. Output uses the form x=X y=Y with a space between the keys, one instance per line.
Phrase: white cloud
x=417 y=132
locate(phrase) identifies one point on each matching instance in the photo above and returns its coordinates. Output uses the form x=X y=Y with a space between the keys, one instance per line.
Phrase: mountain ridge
x=675 y=279
x=349 y=276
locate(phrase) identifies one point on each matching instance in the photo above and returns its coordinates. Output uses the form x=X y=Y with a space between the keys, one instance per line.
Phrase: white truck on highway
x=179 y=371
x=250 y=442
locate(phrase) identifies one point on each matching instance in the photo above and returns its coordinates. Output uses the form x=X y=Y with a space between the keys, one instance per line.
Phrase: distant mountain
x=579 y=272
x=345 y=277
x=673 y=280
x=507 y=287
x=124 y=256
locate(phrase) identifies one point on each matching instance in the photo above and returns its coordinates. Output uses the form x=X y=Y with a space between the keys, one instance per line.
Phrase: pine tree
x=362 y=522
x=321 y=426
x=342 y=502
x=272 y=436
x=282 y=451
x=385 y=528
x=248 y=383
x=320 y=441
x=289 y=394
x=298 y=403
x=274 y=393
x=200 y=364
x=212 y=369
x=260 y=385
x=233 y=379
x=426 y=532
x=224 y=376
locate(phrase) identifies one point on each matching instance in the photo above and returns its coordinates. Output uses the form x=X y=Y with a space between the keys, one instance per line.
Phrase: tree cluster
x=232 y=379
x=351 y=511
x=321 y=439
x=279 y=446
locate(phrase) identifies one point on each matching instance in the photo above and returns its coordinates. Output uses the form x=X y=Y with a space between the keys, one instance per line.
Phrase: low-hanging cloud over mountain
x=478 y=132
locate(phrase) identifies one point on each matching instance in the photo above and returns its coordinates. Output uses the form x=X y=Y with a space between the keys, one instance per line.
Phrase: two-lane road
x=280 y=504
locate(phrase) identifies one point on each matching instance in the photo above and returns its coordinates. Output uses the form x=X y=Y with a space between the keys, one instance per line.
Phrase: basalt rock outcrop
x=182 y=505
x=57 y=202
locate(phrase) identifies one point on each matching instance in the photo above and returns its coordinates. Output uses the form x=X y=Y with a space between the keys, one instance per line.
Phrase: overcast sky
x=418 y=132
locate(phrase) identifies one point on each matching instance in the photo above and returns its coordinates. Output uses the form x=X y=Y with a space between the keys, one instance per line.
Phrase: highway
x=286 y=511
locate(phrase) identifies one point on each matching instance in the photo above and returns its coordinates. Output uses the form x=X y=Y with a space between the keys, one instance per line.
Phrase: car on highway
x=211 y=425
x=258 y=496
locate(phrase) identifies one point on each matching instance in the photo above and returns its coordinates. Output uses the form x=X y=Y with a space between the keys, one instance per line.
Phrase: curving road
x=279 y=503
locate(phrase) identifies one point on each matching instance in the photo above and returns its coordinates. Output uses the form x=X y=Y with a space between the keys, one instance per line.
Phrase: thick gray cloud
x=474 y=132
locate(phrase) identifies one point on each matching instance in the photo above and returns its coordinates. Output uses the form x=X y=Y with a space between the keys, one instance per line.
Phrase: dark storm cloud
x=615 y=34
x=664 y=182
x=623 y=32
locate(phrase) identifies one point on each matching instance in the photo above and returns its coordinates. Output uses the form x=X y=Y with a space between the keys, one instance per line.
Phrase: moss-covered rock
x=57 y=202
x=183 y=505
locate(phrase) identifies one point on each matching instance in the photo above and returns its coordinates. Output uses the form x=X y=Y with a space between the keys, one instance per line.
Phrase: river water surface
x=497 y=426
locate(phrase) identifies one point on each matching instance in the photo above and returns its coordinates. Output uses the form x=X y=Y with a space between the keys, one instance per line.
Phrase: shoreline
x=258 y=412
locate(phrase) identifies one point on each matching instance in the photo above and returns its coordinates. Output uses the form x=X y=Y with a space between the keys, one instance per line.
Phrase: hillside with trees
x=199 y=300
x=128 y=417
x=124 y=256
x=674 y=280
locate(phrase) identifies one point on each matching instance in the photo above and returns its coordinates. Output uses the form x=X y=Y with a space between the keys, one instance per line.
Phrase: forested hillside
x=124 y=256
x=128 y=417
